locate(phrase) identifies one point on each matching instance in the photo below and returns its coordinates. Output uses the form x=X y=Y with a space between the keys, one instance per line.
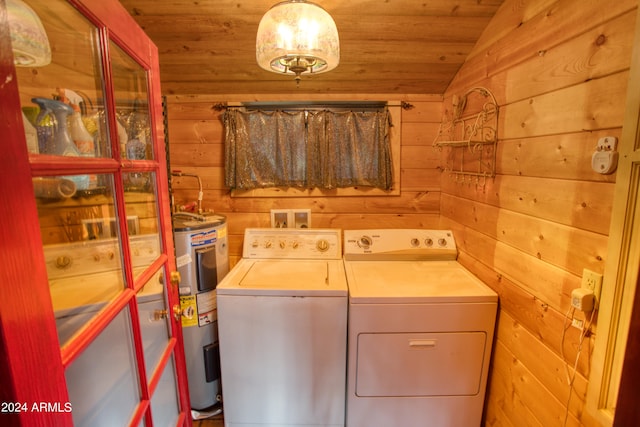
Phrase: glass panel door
x=62 y=97
x=139 y=177
x=87 y=112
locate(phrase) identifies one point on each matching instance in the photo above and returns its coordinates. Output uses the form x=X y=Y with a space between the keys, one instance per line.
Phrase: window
x=303 y=148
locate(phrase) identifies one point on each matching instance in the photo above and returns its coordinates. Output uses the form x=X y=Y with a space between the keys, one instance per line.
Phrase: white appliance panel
x=282 y=313
x=414 y=281
x=283 y=360
x=399 y=245
x=431 y=364
x=287 y=277
x=283 y=243
x=436 y=411
x=420 y=331
x=418 y=318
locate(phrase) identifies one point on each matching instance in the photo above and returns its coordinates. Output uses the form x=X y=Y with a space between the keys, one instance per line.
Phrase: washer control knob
x=322 y=245
x=254 y=244
x=442 y=241
x=295 y=245
x=364 y=242
x=415 y=242
x=63 y=261
x=282 y=244
x=267 y=244
x=428 y=242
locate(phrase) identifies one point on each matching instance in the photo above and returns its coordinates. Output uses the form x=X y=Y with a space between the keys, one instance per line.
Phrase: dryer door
x=420 y=364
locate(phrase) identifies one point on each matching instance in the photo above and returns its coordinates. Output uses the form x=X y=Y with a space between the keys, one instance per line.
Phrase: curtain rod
x=314 y=105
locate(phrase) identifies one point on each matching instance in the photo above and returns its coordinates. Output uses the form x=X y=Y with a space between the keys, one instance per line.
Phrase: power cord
x=571 y=376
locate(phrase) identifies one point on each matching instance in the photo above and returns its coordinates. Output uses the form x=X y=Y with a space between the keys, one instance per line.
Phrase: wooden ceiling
x=386 y=46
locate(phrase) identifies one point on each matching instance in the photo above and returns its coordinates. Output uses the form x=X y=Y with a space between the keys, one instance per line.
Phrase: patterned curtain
x=307 y=149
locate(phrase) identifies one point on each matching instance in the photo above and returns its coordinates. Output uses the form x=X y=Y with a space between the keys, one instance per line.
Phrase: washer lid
x=414 y=281
x=285 y=277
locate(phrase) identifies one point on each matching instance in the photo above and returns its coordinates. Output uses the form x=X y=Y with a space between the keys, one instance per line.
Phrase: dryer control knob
x=442 y=242
x=364 y=242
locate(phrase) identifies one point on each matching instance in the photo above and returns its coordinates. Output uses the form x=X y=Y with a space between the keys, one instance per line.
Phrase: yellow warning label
x=189 y=311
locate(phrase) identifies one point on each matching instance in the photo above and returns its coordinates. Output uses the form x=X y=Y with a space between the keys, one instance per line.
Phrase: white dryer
x=420 y=331
x=282 y=322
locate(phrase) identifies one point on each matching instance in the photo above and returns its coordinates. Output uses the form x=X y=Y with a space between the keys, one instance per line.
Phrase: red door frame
x=31 y=363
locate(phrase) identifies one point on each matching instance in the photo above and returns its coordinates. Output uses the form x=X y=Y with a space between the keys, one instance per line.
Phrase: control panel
x=399 y=244
x=97 y=256
x=292 y=243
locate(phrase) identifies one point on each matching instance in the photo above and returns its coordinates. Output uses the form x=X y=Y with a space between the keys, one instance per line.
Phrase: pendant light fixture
x=29 y=40
x=297 y=37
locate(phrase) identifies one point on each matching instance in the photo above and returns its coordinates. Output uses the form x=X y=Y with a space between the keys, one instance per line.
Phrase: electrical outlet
x=592 y=280
x=280 y=218
x=291 y=218
x=302 y=218
x=577 y=323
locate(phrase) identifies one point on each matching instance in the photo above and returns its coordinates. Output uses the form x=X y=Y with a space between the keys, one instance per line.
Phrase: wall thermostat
x=605 y=158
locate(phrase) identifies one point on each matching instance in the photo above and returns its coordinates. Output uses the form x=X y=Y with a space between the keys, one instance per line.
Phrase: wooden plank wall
x=196 y=147
x=559 y=71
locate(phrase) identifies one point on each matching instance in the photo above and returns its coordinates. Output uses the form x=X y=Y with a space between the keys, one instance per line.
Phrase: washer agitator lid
x=285 y=277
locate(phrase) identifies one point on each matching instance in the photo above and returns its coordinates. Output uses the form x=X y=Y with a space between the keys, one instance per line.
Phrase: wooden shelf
x=467 y=143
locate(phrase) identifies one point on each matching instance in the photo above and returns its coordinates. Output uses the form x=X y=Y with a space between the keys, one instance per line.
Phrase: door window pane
x=155 y=326
x=141 y=203
x=82 y=248
x=132 y=106
x=102 y=381
x=164 y=402
x=62 y=96
x=154 y=321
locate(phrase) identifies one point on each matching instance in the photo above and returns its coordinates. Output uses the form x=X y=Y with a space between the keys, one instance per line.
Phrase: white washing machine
x=420 y=331
x=282 y=324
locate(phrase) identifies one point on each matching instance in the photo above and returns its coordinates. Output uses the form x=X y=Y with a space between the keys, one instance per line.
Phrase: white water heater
x=202 y=256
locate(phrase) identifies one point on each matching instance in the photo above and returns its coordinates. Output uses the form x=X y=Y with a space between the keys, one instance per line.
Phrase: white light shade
x=29 y=40
x=297 y=37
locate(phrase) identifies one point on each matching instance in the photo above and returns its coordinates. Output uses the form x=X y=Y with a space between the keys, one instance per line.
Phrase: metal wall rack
x=470 y=135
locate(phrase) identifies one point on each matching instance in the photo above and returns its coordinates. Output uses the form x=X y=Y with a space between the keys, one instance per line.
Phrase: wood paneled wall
x=559 y=71
x=196 y=147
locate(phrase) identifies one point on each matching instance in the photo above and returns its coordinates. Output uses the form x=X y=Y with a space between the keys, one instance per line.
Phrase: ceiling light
x=29 y=40
x=297 y=37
